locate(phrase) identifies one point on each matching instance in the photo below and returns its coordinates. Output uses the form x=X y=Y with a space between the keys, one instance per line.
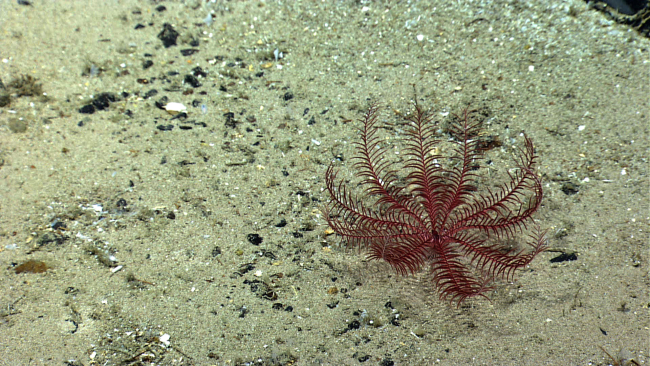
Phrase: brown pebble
x=32 y=266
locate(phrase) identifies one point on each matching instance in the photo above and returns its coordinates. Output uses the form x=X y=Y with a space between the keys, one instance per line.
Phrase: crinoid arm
x=434 y=215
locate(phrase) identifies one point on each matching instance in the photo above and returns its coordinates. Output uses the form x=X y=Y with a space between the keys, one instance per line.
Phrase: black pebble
x=564 y=257
x=216 y=251
x=192 y=80
x=254 y=239
x=570 y=188
x=199 y=72
x=58 y=225
x=230 y=120
x=103 y=100
x=189 y=51
x=168 y=35
x=354 y=325
x=150 y=93
x=160 y=104
x=87 y=109
x=165 y=127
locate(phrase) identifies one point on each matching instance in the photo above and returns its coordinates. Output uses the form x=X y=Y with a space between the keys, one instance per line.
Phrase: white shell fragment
x=164 y=339
x=174 y=108
x=116 y=269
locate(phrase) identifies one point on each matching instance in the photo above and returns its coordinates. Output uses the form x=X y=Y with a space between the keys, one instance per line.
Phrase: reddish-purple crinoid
x=429 y=210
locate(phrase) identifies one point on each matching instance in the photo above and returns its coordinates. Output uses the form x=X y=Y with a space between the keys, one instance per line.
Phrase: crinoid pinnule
x=429 y=211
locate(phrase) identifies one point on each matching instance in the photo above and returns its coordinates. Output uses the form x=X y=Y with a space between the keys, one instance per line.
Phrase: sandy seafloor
x=86 y=193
